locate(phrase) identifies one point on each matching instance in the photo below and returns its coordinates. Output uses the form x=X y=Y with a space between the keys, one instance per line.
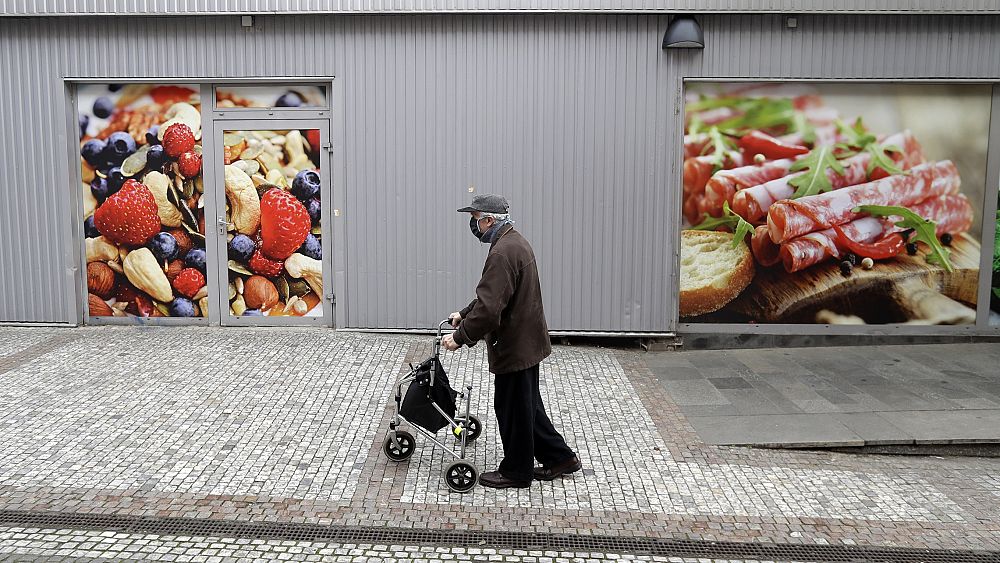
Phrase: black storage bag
x=417 y=407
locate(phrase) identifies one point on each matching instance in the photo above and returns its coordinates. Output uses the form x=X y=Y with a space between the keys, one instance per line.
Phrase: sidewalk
x=839 y=396
x=167 y=442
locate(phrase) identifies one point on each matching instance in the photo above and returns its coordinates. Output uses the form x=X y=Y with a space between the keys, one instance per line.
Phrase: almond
x=260 y=293
x=174 y=268
x=97 y=306
x=100 y=279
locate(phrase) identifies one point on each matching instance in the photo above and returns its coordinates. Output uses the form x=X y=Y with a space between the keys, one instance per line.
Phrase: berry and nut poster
x=143 y=200
x=833 y=203
x=144 y=207
x=274 y=230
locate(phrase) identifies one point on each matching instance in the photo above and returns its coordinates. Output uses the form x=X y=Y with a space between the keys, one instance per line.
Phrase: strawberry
x=265 y=266
x=189 y=281
x=312 y=135
x=129 y=215
x=189 y=164
x=284 y=223
x=177 y=140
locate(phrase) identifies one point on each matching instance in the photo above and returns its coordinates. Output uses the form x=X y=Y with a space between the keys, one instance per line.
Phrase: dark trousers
x=525 y=429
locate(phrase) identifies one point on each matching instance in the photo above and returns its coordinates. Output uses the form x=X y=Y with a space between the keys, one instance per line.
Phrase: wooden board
x=777 y=296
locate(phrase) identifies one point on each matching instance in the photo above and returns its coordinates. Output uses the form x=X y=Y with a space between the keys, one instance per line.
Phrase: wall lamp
x=684 y=32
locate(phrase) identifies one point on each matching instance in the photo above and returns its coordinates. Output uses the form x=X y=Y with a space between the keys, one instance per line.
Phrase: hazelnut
x=97 y=306
x=184 y=242
x=173 y=269
x=259 y=293
x=100 y=279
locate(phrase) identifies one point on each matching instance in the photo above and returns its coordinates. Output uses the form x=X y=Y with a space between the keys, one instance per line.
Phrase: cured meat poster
x=832 y=203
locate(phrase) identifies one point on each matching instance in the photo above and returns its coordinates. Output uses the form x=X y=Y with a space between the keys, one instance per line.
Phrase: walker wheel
x=475 y=428
x=461 y=476
x=402 y=450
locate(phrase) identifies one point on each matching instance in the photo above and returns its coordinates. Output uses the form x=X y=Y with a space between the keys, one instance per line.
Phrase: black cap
x=487 y=203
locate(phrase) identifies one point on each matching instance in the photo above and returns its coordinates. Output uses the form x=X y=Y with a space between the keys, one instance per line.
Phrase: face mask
x=474 y=227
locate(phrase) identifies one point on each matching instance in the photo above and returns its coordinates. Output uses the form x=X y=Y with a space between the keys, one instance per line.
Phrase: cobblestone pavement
x=286 y=425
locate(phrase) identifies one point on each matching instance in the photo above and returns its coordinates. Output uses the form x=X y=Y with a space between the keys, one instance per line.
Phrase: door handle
x=222 y=224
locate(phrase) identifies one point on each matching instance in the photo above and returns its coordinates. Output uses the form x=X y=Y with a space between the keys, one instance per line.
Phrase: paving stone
x=964 y=426
x=794 y=429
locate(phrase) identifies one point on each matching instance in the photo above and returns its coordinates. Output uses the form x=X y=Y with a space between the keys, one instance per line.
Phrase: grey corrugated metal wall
x=575 y=117
x=190 y=7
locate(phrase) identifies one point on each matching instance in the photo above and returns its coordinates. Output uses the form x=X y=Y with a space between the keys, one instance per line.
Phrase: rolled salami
x=788 y=219
x=724 y=184
x=950 y=213
x=753 y=202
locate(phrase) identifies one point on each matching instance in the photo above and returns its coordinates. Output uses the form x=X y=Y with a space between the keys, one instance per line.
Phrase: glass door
x=272 y=225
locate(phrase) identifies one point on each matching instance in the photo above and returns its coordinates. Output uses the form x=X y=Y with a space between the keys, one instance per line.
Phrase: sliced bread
x=713 y=273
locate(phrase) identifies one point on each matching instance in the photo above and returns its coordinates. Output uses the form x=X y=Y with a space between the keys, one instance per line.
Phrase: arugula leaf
x=722 y=147
x=855 y=135
x=924 y=230
x=763 y=113
x=815 y=180
x=882 y=160
x=729 y=220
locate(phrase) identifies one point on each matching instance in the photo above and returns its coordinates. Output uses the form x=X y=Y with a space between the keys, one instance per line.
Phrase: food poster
x=298 y=96
x=832 y=203
x=995 y=285
x=143 y=202
x=274 y=231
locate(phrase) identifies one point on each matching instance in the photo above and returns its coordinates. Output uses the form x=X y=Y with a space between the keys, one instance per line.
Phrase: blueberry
x=315 y=210
x=114 y=87
x=845 y=267
x=93 y=152
x=103 y=107
x=911 y=248
x=115 y=179
x=151 y=135
x=84 y=122
x=946 y=239
x=164 y=246
x=99 y=187
x=120 y=145
x=182 y=307
x=288 y=100
x=253 y=313
x=305 y=185
x=89 y=230
x=312 y=247
x=155 y=157
x=195 y=258
x=241 y=248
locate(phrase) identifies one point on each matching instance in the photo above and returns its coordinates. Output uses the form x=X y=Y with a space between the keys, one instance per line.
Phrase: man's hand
x=455 y=318
x=449 y=343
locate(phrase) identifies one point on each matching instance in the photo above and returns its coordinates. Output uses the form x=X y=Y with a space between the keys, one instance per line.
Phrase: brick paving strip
x=285 y=426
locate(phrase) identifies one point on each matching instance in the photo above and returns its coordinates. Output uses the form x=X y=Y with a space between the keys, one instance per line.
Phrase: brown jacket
x=507 y=311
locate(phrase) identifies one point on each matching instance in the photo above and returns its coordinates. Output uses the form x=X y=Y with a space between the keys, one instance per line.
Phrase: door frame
x=250 y=120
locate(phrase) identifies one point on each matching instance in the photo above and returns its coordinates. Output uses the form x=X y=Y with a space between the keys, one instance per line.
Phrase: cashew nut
x=181 y=112
x=158 y=184
x=100 y=250
x=142 y=270
x=296 y=151
x=89 y=201
x=244 y=203
x=310 y=269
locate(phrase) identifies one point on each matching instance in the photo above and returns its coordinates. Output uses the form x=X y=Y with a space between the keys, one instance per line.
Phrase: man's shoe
x=496 y=480
x=571 y=465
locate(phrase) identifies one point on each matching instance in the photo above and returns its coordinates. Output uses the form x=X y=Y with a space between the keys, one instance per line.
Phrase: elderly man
x=507 y=313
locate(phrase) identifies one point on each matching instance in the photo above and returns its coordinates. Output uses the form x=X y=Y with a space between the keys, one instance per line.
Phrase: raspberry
x=129 y=216
x=189 y=281
x=177 y=140
x=284 y=223
x=265 y=266
x=189 y=164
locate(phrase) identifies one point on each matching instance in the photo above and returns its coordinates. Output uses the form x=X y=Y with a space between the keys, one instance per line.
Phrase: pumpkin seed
x=283 y=288
x=268 y=162
x=162 y=308
x=199 y=184
x=298 y=288
x=258 y=180
x=188 y=189
x=239 y=269
x=232 y=139
x=252 y=152
x=136 y=162
x=317 y=230
x=251 y=167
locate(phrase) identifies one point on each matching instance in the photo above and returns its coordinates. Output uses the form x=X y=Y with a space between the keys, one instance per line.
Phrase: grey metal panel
x=198 y=7
x=574 y=117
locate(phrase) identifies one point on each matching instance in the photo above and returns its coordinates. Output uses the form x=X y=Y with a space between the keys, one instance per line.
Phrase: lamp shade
x=684 y=32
